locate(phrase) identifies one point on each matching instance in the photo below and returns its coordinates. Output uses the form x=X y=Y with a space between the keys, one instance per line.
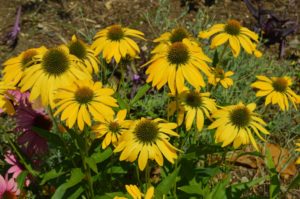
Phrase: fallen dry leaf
x=280 y=156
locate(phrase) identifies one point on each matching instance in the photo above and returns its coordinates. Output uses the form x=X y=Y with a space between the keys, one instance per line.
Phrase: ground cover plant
x=201 y=111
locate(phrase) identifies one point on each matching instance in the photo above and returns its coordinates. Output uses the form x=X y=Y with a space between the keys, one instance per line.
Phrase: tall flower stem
x=53 y=119
x=176 y=162
x=147 y=175
x=22 y=160
x=138 y=175
x=84 y=154
x=122 y=65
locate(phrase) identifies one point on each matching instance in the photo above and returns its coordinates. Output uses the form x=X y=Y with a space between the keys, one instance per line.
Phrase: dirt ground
x=52 y=22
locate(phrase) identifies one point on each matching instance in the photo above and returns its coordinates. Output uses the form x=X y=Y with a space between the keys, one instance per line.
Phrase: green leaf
x=50 y=137
x=274 y=179
x=102 y=156
x=76 y=177
x=195 y=151
x=192 y=189
x=208 y=171
x=215 y=59
x=165 y=186
x=236 y=190
x=77 y=193
x=140 y=93
x=219 y=191
x=121 y=102
x=92 y=163
x=118 y=170
x=52 y=174
x=110 y=195
x=295 y=182
x=21 y=179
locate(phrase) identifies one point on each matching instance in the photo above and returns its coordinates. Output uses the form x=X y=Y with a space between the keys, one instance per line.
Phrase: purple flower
x=12 y=37
x=27 y=118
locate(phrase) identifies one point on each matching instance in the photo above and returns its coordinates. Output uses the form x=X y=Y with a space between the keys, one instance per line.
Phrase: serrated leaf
x=52 y=174
x=165 y=186
x=75 y=178
x=140 y=93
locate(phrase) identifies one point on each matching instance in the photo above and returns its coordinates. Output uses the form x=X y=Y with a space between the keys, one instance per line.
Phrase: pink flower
x=8 y=188
x=16 y=167
x=27 y=118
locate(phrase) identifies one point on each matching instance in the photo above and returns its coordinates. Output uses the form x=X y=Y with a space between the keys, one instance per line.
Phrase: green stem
x=138 y=175
x=110 y=171
x=177 y=160
x=22 y=160
x=147 y=176
x=222 y=53
x=84 y=153
x=122 y=76
x=53 y=119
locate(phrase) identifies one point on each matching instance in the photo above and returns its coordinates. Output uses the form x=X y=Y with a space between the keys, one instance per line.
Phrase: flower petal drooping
x=277 y=91
x=27 y=118
x=148 y=139
x=86 y=56
x=235 y=124
x=177 y=62
x=235 y=34
x=82 y=99
x=115 y=42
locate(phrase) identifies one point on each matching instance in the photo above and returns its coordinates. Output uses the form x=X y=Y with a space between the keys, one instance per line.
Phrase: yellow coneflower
x=82 y=99
x=5 y=103
x=52 y=69
x=14 y=67
x=235 y=34
x=234 y=124
x=176 y=35
x=277 y=91
x=115 y=42
x=218 y=75
x=86 y=56
x=148 y=139
x=197 y=105
x=135 y=193
x=112 y=128
x=178 y=62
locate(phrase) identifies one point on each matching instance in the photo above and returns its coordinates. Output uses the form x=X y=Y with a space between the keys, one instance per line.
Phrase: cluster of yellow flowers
x=61 y=77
